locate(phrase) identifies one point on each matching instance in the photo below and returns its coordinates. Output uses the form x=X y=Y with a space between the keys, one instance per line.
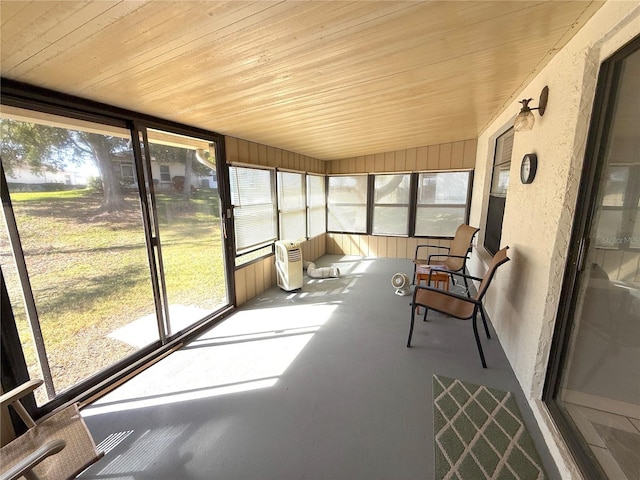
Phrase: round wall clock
x=528 y=168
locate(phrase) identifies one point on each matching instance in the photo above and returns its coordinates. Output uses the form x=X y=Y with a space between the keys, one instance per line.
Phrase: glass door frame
x=142 y=156
x=20 y=95
x=597 y=141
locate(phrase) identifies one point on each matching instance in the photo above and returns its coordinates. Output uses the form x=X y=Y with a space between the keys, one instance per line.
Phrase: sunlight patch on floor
x=248 y=351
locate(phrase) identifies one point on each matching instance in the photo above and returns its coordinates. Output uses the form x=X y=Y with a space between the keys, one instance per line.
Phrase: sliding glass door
x=72 y=246
x=107 y=249
x=189 y=220
x=595 y=391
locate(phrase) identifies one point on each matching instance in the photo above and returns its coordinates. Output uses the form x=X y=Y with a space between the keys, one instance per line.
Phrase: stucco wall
x=538 y=217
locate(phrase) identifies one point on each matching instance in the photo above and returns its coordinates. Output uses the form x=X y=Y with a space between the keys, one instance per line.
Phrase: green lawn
x=90 y=274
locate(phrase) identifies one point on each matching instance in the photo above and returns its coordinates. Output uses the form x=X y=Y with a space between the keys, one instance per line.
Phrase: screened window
x=316 y=205
x=347 y=204
x=126 y=170
x=254 y=207
x=165 y=174
x=442 y=203
x=498 y=193
x=292 y=206
x=391 y=204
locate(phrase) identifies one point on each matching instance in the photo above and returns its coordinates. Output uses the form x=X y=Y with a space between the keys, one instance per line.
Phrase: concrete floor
x=314 y=384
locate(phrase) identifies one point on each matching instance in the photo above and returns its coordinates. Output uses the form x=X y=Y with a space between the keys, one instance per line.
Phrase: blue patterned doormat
x=480 y=434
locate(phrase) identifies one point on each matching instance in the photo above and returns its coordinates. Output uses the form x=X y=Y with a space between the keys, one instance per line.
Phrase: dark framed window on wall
x=498 y=192
x=442 y=203
x=592 y=387
x=255 y=213
x=292 y=205
x=347 y=200
x=391 y=204
x=316 y=205
x=425 y=204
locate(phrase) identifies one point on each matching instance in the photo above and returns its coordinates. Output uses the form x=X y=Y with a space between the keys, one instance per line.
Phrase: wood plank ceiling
x=325 y=79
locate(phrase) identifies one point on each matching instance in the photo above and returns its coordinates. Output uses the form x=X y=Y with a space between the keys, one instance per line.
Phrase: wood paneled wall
x=621 y=265
x=381 y=247
x=314 y=248
x=256 y=277
x=446 y=156
x=243 y=151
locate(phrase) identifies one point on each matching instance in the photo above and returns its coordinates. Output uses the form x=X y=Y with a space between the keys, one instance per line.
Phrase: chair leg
x=466 y=285
x=415 y=268
x=424 y=319
x=413 y=315
x=484 y=321
x=475 y=333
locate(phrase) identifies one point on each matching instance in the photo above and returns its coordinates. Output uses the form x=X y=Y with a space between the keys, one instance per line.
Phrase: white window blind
x=254 y=207
x=391 y=204
x=316 y=206
x=442 y=204
x=292 y=206
x=347 y=204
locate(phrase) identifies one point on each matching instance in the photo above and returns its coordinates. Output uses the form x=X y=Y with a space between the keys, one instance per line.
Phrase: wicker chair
x=59 y=447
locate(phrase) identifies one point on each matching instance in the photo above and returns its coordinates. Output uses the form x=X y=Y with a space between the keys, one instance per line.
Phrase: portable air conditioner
x=289 y=265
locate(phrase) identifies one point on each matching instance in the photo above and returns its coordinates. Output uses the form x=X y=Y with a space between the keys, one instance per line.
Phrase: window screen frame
x=311 y=232
x=498 y=193
x=466 y=205
x=243 y=254
x=412 y=207
x=283 y=200
x=365 y=205
x=394 y=205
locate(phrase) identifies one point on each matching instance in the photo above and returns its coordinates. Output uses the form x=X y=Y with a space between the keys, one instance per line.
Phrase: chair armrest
x=32 y=460
x=446 y=255
x=424 y=245
x=443 y=292
x=464 y=275
x=19 y=392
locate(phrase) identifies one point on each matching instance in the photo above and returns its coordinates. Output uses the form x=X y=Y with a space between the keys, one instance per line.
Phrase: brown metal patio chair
x=454 y=260
x=458 y=306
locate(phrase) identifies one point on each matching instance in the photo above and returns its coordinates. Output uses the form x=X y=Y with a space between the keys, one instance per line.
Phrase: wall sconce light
x=525 y=119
